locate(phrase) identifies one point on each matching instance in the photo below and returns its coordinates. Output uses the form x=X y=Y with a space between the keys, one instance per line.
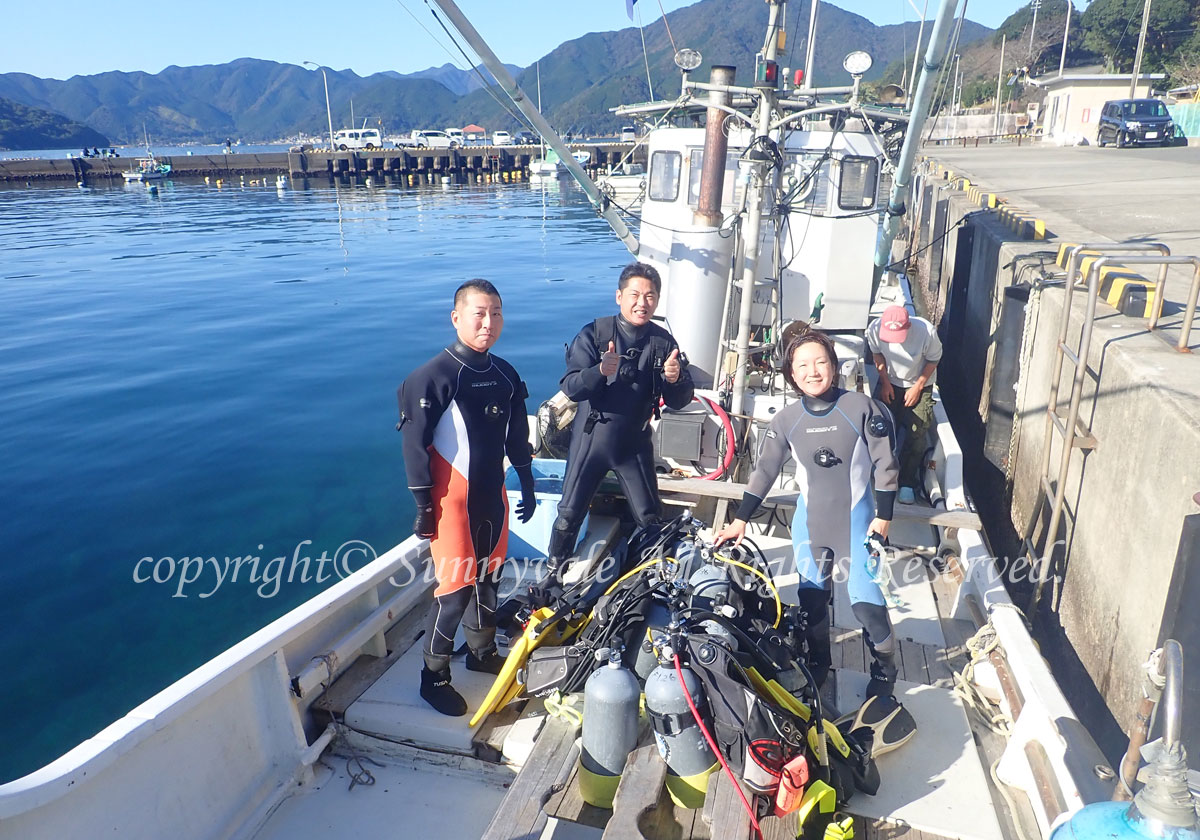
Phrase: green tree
x=1111 y=29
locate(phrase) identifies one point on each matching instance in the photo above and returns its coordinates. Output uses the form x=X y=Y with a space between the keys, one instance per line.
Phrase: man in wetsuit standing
x=461 y=413
x=617 y=369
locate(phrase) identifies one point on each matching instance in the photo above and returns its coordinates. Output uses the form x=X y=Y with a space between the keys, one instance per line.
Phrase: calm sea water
x=209 y=373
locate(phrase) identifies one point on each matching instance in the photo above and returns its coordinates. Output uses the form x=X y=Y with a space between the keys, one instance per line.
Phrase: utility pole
x=1137 y=61
x=1062 y=61
x=999 y=82
x=1036 y=4
x=956 y=88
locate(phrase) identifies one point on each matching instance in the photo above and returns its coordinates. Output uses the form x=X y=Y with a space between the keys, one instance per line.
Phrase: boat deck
x=935 y=786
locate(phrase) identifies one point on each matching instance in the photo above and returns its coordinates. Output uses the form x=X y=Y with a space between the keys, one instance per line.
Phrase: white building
x=1071 y=112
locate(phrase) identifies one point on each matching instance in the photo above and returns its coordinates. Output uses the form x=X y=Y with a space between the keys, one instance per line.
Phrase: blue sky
x=82 y=37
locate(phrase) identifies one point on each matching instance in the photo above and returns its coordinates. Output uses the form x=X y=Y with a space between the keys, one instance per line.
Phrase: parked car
x=525 y=138
x=357 y=138
x=501 y=138
x=1135 y=122
x=428 y=138
x=456 y=136
x=628 y=134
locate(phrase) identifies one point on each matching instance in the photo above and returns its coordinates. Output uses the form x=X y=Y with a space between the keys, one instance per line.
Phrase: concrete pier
x=400 y=163
x=1128 y=549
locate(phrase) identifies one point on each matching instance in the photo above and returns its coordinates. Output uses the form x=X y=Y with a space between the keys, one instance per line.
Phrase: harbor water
x=199 y=407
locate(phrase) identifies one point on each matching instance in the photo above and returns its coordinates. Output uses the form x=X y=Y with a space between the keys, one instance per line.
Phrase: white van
x=628 y=134
x=430 y=138
x=357 y=138
x=501 y=138
x=456 y=137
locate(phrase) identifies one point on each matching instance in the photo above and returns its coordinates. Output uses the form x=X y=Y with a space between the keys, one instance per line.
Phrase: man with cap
x=906 y=350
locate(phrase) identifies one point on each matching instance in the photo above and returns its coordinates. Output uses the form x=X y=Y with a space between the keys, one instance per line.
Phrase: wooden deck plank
x=913 y=664
x=848 y=646
x=520 y=814
x=723 y=811
x=639 y=792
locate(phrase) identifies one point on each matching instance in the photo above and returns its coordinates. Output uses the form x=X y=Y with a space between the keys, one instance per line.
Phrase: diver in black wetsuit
x=617 y=369
x=461 y=412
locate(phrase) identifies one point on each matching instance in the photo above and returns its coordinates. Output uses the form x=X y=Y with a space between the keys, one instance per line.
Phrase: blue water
x=208 y=373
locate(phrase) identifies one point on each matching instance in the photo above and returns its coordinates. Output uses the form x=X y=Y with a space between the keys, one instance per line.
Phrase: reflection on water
x=209 y=374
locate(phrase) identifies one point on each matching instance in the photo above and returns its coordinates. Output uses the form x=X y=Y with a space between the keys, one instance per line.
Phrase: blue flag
x=629 y=8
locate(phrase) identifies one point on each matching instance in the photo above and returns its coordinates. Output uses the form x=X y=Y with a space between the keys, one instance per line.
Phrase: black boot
x=883 y=674
x=437 y=692
x=489 y=662
x=815 y=603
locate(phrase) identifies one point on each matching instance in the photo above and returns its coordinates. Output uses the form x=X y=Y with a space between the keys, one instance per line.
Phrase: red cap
x=893 y=324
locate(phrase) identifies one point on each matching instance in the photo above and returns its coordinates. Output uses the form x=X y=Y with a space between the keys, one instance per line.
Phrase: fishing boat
x=146 y=169
x=776 y=212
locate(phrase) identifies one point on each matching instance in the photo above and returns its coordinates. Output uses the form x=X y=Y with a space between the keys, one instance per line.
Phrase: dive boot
x=489 y=662
x=883 y=675
x=437 y=692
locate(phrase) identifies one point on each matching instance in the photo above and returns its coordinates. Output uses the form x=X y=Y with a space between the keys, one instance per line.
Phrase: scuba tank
x=680 y=742
x=1163 y=808
x=658 y=618
x=610 y=728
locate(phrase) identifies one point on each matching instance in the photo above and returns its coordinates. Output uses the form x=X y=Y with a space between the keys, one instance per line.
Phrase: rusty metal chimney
x=716 y=144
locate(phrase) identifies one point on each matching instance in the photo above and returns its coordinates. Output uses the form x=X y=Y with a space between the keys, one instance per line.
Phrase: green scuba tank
x=611 y=697
x=680 y=742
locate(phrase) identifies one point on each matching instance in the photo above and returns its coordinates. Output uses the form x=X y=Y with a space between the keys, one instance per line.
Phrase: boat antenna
x=921 y=101
x=645 y=55
x=521 y=100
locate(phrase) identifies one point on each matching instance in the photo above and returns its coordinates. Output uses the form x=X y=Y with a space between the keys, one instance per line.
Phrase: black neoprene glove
x=528 y=504
x=425 y=525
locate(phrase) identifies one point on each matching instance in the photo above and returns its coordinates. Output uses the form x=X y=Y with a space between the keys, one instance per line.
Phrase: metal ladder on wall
x=1069 y=430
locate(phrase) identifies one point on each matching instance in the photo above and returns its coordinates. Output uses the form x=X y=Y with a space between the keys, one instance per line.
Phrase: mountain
x=455 y=80
x=581 y=80
x=22 y=127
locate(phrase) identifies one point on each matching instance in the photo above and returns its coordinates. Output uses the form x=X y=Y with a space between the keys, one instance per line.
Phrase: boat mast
x=506 y=81
x=760 y=170
x=922 y=100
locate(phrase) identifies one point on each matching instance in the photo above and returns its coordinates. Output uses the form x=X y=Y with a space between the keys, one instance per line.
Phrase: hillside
x=582 y=79
x=22 y=127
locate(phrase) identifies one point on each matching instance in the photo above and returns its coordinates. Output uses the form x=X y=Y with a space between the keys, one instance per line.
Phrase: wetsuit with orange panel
x=461 y=413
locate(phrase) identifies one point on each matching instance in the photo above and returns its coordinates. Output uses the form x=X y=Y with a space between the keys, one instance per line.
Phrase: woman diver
x=839 y=439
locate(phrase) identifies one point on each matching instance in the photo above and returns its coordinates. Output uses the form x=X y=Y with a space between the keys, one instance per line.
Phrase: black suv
x=1135 y=122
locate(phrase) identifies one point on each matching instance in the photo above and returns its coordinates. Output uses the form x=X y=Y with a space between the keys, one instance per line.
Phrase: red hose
x=712 y=745
x=730 y=450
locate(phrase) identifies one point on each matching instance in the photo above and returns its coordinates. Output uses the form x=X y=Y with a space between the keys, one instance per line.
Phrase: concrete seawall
x=313 y=164
x=1128 y=539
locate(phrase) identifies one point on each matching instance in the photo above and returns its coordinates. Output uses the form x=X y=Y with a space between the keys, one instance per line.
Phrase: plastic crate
x=531 y=540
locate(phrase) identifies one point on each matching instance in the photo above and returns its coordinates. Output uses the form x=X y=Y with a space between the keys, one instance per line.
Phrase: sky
x=83 y=37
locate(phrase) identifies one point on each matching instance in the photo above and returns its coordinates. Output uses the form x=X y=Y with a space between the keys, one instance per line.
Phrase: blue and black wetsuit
x=611 y=430
x=461 y=413
x=842 y=443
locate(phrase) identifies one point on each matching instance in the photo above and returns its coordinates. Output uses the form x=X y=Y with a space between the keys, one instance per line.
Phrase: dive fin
x=891 y=725
x=543 y=626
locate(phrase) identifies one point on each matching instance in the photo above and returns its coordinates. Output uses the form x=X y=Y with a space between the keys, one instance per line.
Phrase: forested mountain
x=22 y=127
x=253 y=99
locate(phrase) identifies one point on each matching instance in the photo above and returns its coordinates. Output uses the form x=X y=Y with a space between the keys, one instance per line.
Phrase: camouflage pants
x=912 y=425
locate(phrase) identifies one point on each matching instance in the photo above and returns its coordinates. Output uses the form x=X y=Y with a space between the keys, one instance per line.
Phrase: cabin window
x=806 y=180
x=664 y=175
x=696 y=167
x=860 y=183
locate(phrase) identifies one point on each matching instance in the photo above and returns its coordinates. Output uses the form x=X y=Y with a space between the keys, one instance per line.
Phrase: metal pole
x=922 y=97
x=328 y=112
x=811 y=47
x=999 y=81
x=506 y=81
x=1137 y=61
x=920 y=35
x=1062 y=61
x=753 y=225
x=956 y=95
